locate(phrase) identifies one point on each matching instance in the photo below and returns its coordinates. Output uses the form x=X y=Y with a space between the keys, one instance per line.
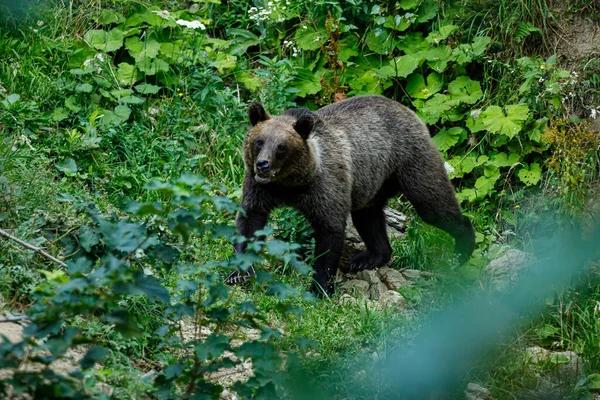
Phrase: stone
x=412 y=274
x=505 y=270
x=376 y=290
x=392 y=278
x=569 y=365
x=368 y=275
x=477 y=392
x=395 y=219
x=355 y=288
x=391 y=299
x=347 y=300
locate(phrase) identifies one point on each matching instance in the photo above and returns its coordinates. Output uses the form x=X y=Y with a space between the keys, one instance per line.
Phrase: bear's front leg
x=247 y=223
x=329 y=247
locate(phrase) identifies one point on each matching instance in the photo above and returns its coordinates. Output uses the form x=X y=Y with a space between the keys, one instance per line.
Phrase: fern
x=524 y=30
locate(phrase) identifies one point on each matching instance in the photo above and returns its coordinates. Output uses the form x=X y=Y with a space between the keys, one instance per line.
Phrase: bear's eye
x=259 y=143
x=281 y=149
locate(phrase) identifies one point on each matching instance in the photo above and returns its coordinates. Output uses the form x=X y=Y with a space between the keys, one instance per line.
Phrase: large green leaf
x=416 y=87
x=431 y=110
x=439 y=57
x=105 y=41
x=142 y=50
x=446 y=138
x=468 y=164
x=465 y=90
x=309 y=38
x=485 y=184
x=307 y=82
x=401 y=66
x=502 y=160
x=530 y=174
x=126 y=74
x=380 y=41
x=510 y=123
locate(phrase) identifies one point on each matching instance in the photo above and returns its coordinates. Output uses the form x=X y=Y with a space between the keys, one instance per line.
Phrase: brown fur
x=348 y=157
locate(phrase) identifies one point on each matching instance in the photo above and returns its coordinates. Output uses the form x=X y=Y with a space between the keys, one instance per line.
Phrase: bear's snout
x=263 y=166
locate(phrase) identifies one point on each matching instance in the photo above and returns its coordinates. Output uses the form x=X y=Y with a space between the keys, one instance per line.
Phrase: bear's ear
x=257 y=113
x=304 y=125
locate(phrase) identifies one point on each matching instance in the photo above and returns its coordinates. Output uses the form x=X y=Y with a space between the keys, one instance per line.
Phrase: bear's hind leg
x=429 y=190
x=371 y=226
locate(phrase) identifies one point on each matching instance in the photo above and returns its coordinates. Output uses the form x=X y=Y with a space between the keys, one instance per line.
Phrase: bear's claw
x=239 y=277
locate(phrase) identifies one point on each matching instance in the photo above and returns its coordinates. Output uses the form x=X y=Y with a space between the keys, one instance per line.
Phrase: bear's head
x=276 y=148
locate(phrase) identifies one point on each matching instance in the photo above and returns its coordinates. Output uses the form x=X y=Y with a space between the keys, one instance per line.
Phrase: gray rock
x=395 y=219
x=391 y=299
x=376 y=290
x=477 y=392
x=368 y=275
x=347 y=300
x=392 y=278
x=569 y=365
x=355 y=288
x=412 y=274
x=505 y=270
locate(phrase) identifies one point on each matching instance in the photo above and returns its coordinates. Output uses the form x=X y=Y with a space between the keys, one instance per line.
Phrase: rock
x=505 y=269
x=355 y=288
x=346 y=300
x=391 y=299
x=376 y=290
x=392 y=278
x=477 y=392
x=368 y=275
x=569 y=365
x=412 y=274
x=395 y=219
x=12 y=331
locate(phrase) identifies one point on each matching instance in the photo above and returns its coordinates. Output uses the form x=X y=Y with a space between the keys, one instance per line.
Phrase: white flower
x=541 y=80
x=476 y=113
x=164 y=14
x=594 y=113
x=40 y=23
x=191 y=24
x=449 y=168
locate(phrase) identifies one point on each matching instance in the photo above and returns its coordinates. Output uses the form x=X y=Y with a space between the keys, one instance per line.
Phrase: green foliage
x=124 y=259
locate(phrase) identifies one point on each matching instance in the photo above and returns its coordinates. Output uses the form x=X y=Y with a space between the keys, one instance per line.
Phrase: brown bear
x=346 y=158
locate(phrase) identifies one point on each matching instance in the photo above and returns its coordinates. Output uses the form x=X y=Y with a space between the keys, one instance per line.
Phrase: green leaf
x=446 y=138
x=509 y=124
x=465 y=90
x=84 y=88
x=409 y=4
x=379 y=40
x=431 y=110
x=415 y=85
x=405 y=65
x=142 y=50
x=485 y=184
x=502 y=160
x=108 y=17
x=105 y=41
x=213 y=347
x=131 y=100
x=411 y=43
x=428 y=10
x=443 y=33
x=480 y=44
x=307 y=81
x=309 y=38
x=152 y=288
x=88 y=237
x=468 y=164
x=93 y=355
x=152 y=67
x=439 y=57
x=122 y=112
x=593 y=382
x=146 y=88
x=126 y=74
x=530 y=175
x=67 y=166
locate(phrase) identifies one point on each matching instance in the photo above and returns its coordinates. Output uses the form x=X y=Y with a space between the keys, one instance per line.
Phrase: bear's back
x=382 y=134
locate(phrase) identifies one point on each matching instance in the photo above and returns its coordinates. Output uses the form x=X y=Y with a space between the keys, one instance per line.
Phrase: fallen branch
x=32 y=247
x=14 y=319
